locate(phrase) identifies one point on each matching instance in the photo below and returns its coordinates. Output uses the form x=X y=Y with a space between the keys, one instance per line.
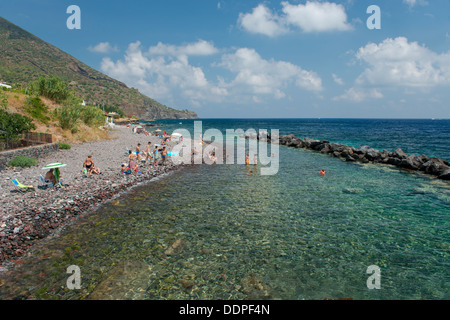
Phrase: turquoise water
x=295 y=235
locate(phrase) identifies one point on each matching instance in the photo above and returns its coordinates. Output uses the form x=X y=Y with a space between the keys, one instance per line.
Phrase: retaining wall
x=36 y=152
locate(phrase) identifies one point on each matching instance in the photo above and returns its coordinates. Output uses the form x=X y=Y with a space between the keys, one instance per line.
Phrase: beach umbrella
x=55 y=166
x=157 y=130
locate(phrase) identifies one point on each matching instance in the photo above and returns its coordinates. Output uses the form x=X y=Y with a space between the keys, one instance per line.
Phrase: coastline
x=27 y=218
x=437 y=167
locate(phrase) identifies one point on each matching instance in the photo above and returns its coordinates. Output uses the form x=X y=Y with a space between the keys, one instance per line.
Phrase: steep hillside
x=24 y=58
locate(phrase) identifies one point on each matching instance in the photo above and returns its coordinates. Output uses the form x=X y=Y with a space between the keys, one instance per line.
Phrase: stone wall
x=32 y=152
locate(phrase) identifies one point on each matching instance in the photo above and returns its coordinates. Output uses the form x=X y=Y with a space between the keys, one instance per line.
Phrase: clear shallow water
x=295 y=235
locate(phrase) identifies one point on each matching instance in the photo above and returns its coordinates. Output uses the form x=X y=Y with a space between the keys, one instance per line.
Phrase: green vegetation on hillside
x=25 y=58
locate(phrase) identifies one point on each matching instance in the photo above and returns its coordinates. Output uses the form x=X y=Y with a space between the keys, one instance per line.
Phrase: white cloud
x=360 y=94
x=103 y=47
x=199 y=48
x=266 y=77
x=397 y=62
x=337 y=79
x=310 y=17
x=262 y=20
x=163 y=72
x=163 y=77
x=413 y=3
x=317 y=16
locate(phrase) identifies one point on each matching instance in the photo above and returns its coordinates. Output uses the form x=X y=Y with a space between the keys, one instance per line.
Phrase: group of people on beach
x=150 y=155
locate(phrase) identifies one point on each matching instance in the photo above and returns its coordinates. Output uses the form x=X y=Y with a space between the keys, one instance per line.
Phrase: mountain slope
x=24 y=58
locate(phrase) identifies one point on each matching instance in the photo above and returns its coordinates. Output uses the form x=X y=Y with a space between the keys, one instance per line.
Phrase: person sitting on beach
x=95 y=170
x=50 y=176
x=89 y=165
x=125 y=169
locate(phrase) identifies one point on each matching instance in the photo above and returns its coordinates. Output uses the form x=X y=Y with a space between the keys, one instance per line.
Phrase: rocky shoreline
x=440 y=168
x=26 y=218
x=437 y=167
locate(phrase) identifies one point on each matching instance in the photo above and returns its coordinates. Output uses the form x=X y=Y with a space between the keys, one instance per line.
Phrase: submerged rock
x=175 y=248
x=254 y=288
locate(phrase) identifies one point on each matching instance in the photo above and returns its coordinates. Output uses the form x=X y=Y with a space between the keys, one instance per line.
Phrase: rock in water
x=120 y=282
x=445 y=175
x=254 y=288
x=175 y=248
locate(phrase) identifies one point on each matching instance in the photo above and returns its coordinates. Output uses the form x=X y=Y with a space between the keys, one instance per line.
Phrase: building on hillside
x=4 y=85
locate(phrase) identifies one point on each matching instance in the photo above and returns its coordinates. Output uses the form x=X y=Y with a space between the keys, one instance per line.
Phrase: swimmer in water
x=322 y=172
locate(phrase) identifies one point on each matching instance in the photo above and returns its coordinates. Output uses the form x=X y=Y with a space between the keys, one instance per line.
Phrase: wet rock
x=186 y=284
x=175 y=248
x=255 y=288
x=400 y=154
x=445 y=175
x=120 y=282
x=411 y=162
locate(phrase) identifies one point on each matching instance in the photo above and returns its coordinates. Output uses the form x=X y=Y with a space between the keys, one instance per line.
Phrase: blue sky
x=262 y=59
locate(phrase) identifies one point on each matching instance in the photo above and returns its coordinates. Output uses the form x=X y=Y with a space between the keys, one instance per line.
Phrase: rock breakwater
x=437 y=167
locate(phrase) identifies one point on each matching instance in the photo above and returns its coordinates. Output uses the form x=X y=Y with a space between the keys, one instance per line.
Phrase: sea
x=221 y=232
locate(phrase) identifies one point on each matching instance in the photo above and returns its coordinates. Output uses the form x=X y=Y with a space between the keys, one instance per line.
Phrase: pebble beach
x=26 y=218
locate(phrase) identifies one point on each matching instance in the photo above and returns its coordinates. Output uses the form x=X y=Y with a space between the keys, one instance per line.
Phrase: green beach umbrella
x=55 y=166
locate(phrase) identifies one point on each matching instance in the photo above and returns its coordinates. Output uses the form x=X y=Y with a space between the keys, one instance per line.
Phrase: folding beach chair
x=21 y=187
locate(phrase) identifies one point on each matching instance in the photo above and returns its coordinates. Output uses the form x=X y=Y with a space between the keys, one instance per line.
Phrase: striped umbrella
x=55 y=166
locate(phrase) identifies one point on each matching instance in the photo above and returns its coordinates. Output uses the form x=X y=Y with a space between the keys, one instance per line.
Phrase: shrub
x=68 y=117
x=22 y=161
x=52 y=88
x=3 y=100
x=37 y=109
x=92 y=116
x=15 y=124
x=64 y=146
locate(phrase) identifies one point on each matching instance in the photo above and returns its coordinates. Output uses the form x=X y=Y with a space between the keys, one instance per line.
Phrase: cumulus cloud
x=199 y=48
x=397 y=62
x=267 y=77
x=162 y=77
x=164 y=72
x=317 y=16
x=103 y=47
x=262 y=20
x=310 y=17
